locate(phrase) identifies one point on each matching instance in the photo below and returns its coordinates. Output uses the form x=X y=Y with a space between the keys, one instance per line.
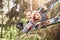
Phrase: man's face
x=28 y=15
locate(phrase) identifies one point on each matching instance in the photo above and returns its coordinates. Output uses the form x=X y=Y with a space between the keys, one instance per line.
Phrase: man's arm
x=51 y=21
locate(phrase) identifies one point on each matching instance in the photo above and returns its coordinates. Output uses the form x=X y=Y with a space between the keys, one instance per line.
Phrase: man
x=37 y=16
x=28 y=17
x=28 y=13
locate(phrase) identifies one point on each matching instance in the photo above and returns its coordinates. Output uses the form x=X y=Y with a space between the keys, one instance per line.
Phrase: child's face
x=37 y=16
x=28 y=15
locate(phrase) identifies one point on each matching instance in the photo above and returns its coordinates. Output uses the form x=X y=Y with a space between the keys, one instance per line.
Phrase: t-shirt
x=44 y=17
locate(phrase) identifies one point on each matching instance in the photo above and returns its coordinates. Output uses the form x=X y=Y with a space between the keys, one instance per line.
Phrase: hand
x=39 y=24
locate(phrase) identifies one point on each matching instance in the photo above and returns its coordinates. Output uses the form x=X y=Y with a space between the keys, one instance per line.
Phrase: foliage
x=49 y=33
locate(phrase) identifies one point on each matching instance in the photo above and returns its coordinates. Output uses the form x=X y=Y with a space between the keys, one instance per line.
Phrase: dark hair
x=21 y=25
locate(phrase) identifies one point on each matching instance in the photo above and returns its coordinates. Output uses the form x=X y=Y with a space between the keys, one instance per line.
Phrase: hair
x=34 y=16
x=21 y=25
x=27 y=11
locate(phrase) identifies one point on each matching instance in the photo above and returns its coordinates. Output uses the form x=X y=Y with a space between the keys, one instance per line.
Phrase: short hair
x=27 y=11
x=20 y=25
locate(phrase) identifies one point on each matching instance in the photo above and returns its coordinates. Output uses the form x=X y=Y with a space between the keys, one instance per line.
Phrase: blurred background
x=12 y=11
